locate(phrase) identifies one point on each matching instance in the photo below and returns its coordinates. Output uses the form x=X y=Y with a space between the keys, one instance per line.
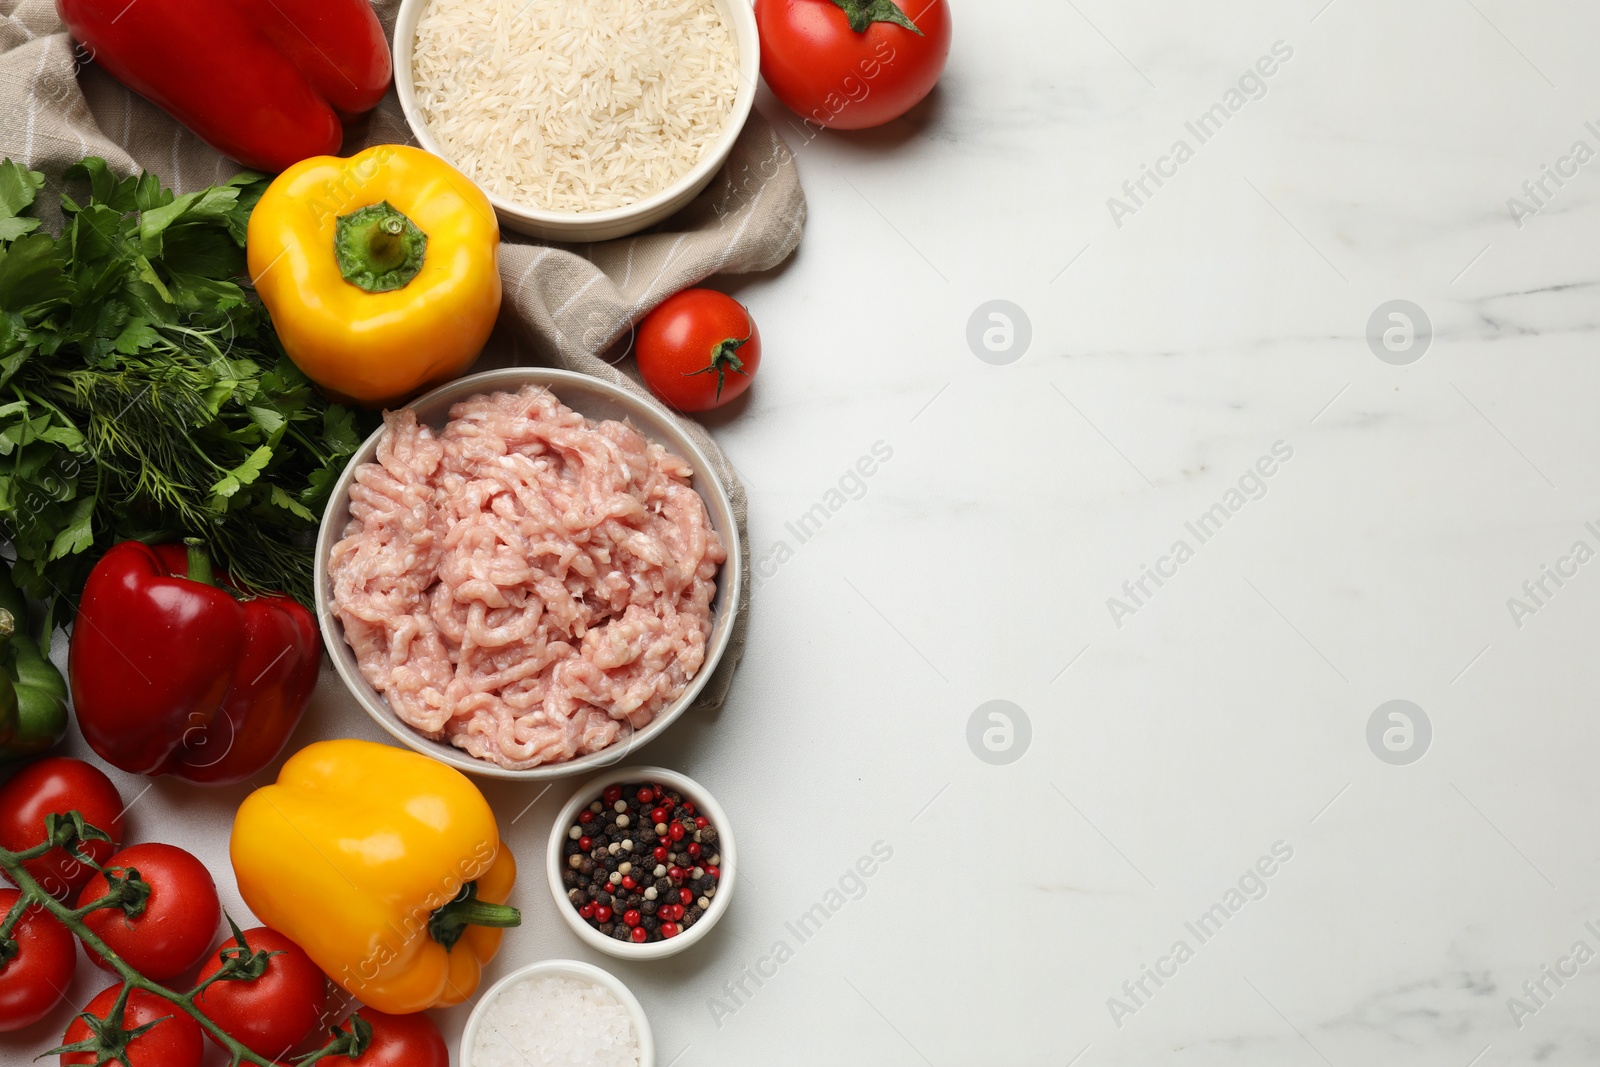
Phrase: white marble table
x=1184 y=736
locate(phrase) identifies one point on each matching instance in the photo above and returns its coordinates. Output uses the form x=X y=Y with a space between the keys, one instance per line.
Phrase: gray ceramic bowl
x=597 y=400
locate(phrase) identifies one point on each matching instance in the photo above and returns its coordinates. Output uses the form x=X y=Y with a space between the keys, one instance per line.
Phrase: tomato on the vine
x=271 y=1014
x=179 y=920
x=36 y=968
x=55 y=786
x=397 y=1041
x=851 y=64
x=174 y=1041
x=698 y=350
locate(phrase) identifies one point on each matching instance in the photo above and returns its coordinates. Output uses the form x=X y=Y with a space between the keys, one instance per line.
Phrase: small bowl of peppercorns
x=641 y=862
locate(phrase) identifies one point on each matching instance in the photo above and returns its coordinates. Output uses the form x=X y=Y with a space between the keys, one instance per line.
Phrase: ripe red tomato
x=173 y=1042
x=397 y=1041
x=34 y=979
x=272 y=1014
x=180 y=917
x=856 y=65
x=698 y=350
x=58 y=785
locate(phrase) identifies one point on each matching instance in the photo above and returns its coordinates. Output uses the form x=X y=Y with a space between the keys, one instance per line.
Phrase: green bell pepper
x=33 y=695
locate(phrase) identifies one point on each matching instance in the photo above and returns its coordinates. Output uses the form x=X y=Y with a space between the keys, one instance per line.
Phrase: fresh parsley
x=143 y=393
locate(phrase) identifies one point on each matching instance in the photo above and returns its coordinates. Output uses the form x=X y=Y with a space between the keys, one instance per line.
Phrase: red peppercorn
x=612 y=794
x=713 y=873
x=586 y=816
x=602 y=913
x=688 y=806
x=628 y=882
x=694 y=850
x=675 y=873
x=587 y=911
x=660 y=853
x=685 y=896
x=585 y=843
x=658 y=815
x=676 y=831
x=631 y=917
x=669 y=929
x=646 y=795
x=701 y=822
x=639 y=934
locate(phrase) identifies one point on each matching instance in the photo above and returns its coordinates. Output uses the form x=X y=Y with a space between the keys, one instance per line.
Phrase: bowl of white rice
x=582 y=120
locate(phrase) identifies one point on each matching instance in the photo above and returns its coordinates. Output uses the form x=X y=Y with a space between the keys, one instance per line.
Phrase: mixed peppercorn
x=641 y=863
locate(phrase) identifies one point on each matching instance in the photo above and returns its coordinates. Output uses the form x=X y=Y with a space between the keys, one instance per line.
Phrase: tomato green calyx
x=863 y=13
x=378 y=249
x=240 y=963
x=107 y=1039
x=349 y=1043
x=724 y=357
x=128 y=892
x=451 y=921
x=68 y=831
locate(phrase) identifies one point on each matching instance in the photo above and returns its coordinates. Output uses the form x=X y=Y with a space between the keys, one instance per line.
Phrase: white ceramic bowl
x=613 y=222
x=587 y=972
x=704 y=802
x=597 y=400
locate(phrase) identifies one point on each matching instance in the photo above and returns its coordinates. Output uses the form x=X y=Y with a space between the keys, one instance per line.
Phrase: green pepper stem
x=200 y=569
x=351 y=1043
x=385 y=250
x=451 y=921
x=378 y=248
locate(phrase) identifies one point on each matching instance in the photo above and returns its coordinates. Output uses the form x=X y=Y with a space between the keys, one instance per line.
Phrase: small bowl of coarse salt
x=560 y=1013
x=641 y=862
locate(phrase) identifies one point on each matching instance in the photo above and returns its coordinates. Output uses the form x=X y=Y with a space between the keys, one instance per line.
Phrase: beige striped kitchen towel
x=566 y=306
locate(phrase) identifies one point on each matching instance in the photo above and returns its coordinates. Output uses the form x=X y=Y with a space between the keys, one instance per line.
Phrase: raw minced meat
x=527 y=584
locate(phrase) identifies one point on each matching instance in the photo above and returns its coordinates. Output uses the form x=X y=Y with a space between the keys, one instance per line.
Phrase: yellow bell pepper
x=381 y=271
x=385 y=866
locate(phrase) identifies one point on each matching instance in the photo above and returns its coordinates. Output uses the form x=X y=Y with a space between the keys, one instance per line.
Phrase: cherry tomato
x=58 y=785
x=856 y=65
x=34 y=979
x=173 y=1042
x=397 y=1041
x=180 y=916
x=698 y=350
x=272 y=1014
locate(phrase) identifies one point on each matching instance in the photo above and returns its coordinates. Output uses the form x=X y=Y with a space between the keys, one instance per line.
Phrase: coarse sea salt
x=556 y=1021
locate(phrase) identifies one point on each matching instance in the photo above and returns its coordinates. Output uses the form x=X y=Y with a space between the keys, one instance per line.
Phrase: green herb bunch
x=143 y=393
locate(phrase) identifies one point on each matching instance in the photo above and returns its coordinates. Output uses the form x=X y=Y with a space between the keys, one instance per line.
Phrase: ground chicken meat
x=528 y=585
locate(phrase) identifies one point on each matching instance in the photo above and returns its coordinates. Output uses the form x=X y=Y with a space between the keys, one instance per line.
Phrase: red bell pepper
x=265 y=82
x=172 y=674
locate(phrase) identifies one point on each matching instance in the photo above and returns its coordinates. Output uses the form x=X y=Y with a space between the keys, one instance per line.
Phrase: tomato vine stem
x=67 y=831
